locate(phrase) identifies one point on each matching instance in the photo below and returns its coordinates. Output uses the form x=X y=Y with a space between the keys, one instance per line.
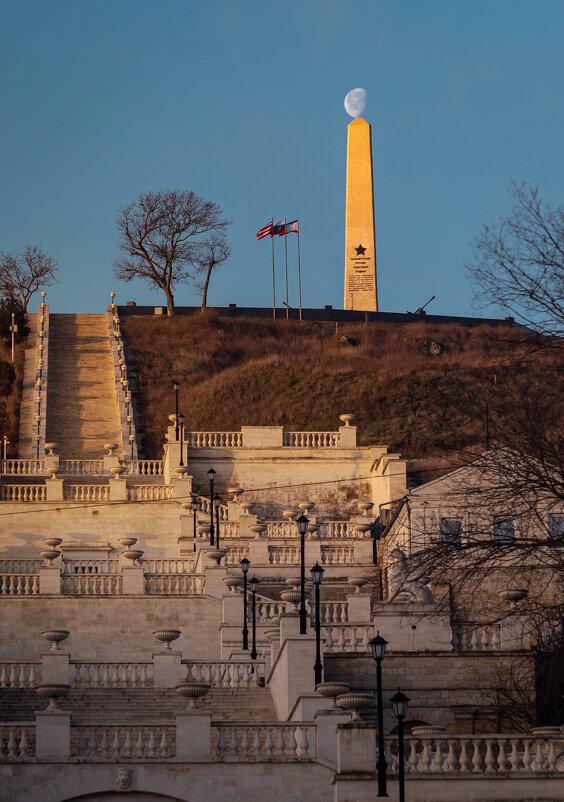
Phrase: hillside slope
x=418 y=388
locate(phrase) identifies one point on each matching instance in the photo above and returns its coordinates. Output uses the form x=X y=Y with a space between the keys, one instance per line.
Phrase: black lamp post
x=194 y=504
x=302 y=523
x=181 y=423
x=245 y=569
x=399 y=705
x=317 y=577
x=211 y=474
x=216 y=503
x=253 y=584
x=378 y=646
x=176 y=386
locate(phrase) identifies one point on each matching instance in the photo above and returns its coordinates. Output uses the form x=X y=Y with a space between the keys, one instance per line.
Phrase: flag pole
x=299 y=269
x=273 y=280
x=286 y=250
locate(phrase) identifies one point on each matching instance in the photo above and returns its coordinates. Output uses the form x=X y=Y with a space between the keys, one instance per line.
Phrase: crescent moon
x=355 y=102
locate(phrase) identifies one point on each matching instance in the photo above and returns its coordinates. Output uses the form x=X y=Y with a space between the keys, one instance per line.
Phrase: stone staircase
x=82 y=411
x=141 y=706
x=27 y=411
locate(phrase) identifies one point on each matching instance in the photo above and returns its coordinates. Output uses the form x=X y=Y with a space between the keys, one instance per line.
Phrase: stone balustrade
x=312 y=439
x=476 y=638
x=145 y=467
x=214 y=439
x=149 y=493
x=91 y=584
x=284 y=555
x=225 y=673
x=111 y=675
x=267 y=610
x=23 y=566
x=206 y=508
x=87 y=493
x=23 y=493
x=335 y=529
x=81 y=467
x=20 y=675
x=19 y=584
x=347 y=638
x=168 y=566
x=337 y=555
x=266 y=741
x=174 y=584
x=234 y=554
x=479 y=754
x=22 y=467
x=110 y=743
x=90 y=566
x=17 y=742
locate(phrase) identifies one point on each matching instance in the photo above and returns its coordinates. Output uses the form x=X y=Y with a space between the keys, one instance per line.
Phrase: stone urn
x=51 y=552
x=358 y=582
x=133 y=554
x=546 y=732
x=126 y=542
x=355 y=701
x=513 y=595
x=259 y=529
x=360 y=530
x=216 y=554
x=55 y=636
x=290 y=515
x=235 y=492
x=347 y=419
x=110 y=448
x=306 y=506
x=53 y=470
x=232 y=583
x=428 y=731
x=53 y=542
x=313 y=530
x=166 y=636
x=51 y=448
x=292 y=598
x=181 y=470
x=204 y=530
x=193 y=691
x=246 y=506
x=52 y=691
x=364 y=507
x=330 y=690
x=117 y=470
x=271 y=635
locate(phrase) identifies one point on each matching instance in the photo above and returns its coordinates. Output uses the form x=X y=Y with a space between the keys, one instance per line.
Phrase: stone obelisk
x=361 y=290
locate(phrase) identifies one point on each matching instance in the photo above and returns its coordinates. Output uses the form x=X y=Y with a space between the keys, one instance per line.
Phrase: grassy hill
x=418 y=388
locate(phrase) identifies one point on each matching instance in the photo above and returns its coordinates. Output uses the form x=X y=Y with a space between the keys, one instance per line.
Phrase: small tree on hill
x=22 y=274
x=213 y=253
x=161 y=238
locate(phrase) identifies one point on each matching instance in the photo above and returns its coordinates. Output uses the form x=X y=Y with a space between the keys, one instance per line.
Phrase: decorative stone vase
x=546 y=732
x=290 y=515
x=355 y=701
x=110 y=448
x=313 y=530
x=126 y=542
x=133 y=555
x=360 y=530
x=232 y=583
x=428 y=731
x=330 y=690
x=166 y=636
x=364 y=507
x=306 y=506
x=55 y=636
x=271 y=634
x=259 y=529
x=347 y=419
x=181 y=470
x=53 y=470
x=235 y=492
x=513 y=594
x=216 y=554
x=52 y=692
x=53 y=541
x=51 y=448
x=193 y=691
x=49 y=555
x=246 y=506
x=204 y=529
x=291 y=597
x=357 y=582
x=117 y=471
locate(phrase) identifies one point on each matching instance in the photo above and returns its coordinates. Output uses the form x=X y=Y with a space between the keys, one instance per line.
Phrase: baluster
x=489 y=759
x=412 y=761
x=539 y=755
x=280 y=745
x=551 y=758
x=81 y=744
x=268 y=743
x=292 y=744
x=163 y=747
x=105 y=743
x=245 y=741
x=221 y=745
x=438 y=757
x=256 y=750
x=140 y=745
x=476 y=759
x=32 y=679
x=128 y=744
x=23 y=744
x=450 y=760
x=501 y=756
x=233 y=745
x=464 y=758
x=304 y=742
x=391 y=759
x=92 y=741
x=526 y=755
x=425 y=761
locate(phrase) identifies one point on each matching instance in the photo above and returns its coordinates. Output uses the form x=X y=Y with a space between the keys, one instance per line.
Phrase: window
x=451 y=534
x=556 y=527
x=504 y=531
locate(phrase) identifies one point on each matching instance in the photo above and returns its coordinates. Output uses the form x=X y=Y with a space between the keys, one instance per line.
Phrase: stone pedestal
x=292 y=675
x=258 y=553
x=52 y=735
x=118 y=490
x=50 y=580
x=167 y=669
x=327 y=722
x=364 y=551
x=347 y=436
x=133 y=580
x=193 y=735
x=55 y=668
x=356 y=762
x=359 y=605
x=54 y=489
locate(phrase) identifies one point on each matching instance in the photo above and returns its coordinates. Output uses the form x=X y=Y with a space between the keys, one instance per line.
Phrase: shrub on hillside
x=7 y=377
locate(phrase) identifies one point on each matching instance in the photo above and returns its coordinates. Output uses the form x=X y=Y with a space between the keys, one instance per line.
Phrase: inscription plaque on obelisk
x=361 y=291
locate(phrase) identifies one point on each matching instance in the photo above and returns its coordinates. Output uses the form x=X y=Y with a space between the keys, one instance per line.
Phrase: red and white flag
x=293 y=227
x=265 y=231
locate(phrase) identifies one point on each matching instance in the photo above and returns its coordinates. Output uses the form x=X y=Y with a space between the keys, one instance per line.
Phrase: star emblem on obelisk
x=360 y=250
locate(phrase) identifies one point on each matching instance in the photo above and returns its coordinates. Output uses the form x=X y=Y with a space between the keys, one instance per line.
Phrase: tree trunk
x=169 y=301
x=205 y=292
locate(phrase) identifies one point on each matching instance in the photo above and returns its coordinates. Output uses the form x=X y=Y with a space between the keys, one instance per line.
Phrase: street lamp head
x=245 y=565
x=216 y=501
x=211 y=473
x=378 y=646
x=399 y=705
x=194 y=503
x=317 y=574
x=302 y=523
x=131 y=438
x=181 y=418
x=253 y=584
x=112 y=296
x=176 y=385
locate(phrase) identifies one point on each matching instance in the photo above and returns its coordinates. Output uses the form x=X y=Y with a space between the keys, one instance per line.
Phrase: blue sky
x=243 y=103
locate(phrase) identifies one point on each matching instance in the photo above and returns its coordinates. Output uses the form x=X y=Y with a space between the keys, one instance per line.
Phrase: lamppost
x=216 y=503
x=253 y=584
x=13 y=329
x=194 y=505
x=6 y=441
x=181 y=424
x=245 y=569
x=131 y=440
x=317 y=577
x=302 y=523
x=399 y=705
x=176 y=386
x=211 y=474
x=378 y=647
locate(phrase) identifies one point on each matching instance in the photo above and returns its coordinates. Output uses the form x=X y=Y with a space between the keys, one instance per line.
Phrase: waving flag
x=279 y=228
x=265 y=231
x=293 y=227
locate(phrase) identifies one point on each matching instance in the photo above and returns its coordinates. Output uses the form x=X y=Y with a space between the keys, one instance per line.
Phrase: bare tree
x=214 y=252
x=22 y=274
x=519 y=262
x=160 y=238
